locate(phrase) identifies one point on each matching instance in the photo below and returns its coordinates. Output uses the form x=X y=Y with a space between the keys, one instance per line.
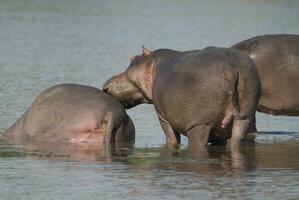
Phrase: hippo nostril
x=105 y=90
x=108 y=86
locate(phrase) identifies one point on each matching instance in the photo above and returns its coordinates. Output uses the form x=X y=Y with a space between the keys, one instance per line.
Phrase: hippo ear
x=132 y=58
x=145 y=51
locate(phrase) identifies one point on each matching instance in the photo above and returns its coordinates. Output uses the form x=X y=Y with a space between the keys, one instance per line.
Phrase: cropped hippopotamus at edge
x=77 y=114
x=198 y=93
x=277 y=61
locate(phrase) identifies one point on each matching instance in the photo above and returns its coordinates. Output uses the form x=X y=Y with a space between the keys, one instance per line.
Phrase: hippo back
x=64 y=112
x=277 y=60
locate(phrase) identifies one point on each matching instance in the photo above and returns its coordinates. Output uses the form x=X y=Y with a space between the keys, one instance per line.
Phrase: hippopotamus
x=75 y=114
x=194 y=93
x=277 y=61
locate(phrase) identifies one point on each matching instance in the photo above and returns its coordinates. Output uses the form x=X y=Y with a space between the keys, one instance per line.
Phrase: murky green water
x=47 y=42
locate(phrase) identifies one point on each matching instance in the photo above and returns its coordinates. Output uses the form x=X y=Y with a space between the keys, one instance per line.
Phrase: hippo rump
x=195 y=93
x=277 y=60
x=71 y=113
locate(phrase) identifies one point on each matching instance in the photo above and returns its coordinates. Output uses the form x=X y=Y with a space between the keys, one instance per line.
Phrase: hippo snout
x=109 y=84
x=117 y=86
x=125 y=91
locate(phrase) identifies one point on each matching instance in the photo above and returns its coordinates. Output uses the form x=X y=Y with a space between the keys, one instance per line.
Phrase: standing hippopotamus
x=277 y=61
x=71 y=113
x=193 y=92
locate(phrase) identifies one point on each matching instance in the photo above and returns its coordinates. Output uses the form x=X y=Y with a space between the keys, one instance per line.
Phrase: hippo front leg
x=198 y=136
x=173 y=138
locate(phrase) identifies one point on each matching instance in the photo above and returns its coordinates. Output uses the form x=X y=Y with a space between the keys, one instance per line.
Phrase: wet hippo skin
x=71 y=113
x=202 y=94
x=277 y=60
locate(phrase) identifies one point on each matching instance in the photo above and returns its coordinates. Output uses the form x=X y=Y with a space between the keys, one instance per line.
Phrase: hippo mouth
x=112 y=89
x=127 y=105
x=107 y=88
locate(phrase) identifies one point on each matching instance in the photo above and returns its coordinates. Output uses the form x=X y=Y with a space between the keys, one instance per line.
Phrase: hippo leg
x=124 y=132
x=173 y=138
x=198 y=138
x=250 y=137
x=240 y=127
x=252 y=126
x=111 y=127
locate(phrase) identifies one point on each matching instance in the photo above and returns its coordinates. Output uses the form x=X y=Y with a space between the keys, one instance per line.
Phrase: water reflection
x=217 y=160
x=221 y=160
x=157 y=172
x=64 y=152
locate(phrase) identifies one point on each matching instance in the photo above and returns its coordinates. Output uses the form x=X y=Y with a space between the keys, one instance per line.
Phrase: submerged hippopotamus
x=277 y=61
x=194 y=92
x=71 y=113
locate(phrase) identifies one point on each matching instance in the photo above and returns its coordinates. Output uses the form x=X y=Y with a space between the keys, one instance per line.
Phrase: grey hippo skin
x=195 y=93
x=77 y=114
x=277 y=60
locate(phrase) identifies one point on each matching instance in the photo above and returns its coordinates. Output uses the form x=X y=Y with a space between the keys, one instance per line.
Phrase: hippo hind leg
x=243 y=119
x=239 y=131
x=251 y=132
x=247 y=92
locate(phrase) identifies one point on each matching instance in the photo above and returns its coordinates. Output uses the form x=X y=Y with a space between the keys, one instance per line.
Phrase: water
x=50 y=42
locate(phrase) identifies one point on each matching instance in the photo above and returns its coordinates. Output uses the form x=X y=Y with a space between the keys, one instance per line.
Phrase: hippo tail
x=233 y=106
x=246 y=93
x=235 y=96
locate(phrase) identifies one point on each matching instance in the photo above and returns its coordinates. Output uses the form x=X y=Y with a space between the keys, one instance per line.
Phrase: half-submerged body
x=71 y=113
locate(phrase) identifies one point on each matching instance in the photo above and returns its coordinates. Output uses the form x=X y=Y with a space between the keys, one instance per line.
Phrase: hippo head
x=134 y=86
